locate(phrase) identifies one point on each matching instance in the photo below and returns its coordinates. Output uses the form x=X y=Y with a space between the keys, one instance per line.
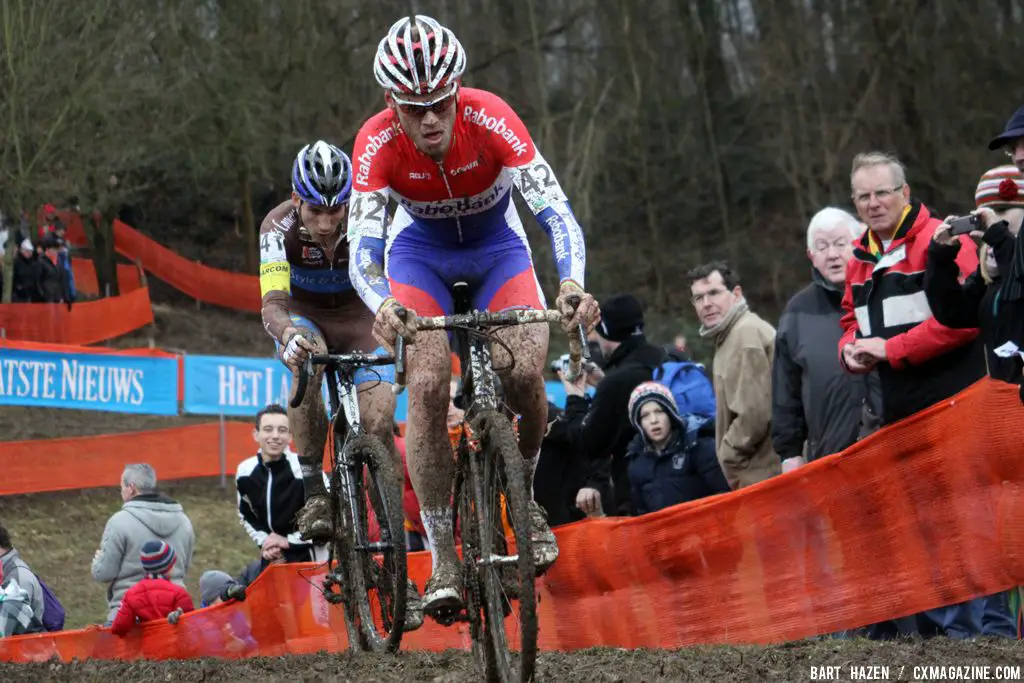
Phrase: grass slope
x=58 y=533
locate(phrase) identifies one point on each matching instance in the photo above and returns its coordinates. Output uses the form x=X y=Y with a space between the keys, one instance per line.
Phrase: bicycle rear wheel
x=500 y=483
x=377 y=578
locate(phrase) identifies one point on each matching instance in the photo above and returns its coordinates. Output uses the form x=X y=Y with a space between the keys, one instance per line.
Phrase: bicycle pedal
x=447 y=617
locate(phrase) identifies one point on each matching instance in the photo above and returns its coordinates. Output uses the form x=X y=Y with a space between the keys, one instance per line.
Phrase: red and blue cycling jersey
x=455 y=220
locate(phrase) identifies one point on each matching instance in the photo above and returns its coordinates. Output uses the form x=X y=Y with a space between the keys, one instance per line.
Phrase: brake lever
x=303 y=380
x=399 y=386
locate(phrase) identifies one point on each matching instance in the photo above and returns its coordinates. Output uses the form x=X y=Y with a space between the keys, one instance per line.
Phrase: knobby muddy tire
x=465 y=509
x=342 y=542
x=503 y=472
x=390 y=574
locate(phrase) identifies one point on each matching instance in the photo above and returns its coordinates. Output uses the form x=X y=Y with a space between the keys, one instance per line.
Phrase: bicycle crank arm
x=497 y=559
x=375 y=547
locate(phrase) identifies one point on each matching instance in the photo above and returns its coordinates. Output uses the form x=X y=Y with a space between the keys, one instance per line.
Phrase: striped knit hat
x=1000 y=186
x=157 y=558
x=652 y=391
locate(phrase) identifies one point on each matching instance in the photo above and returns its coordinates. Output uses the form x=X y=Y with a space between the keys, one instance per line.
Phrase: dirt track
x=790 y=662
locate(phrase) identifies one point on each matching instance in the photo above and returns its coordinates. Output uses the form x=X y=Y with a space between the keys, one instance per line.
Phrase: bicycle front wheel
x=377 y=569
x=505 y=576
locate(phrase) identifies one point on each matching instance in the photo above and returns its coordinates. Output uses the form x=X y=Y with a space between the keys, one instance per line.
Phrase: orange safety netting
x=926 y=513
x=74 y=348
x=38 y=465
x=128 y=278
x=211 y=285
x=87 y=322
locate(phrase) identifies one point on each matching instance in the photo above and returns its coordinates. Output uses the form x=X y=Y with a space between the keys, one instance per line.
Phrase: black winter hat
x=622 y=317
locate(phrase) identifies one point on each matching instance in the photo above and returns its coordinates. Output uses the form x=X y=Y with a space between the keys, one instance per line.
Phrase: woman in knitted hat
x=672 y=459
x=991 y=298
x=156 y=596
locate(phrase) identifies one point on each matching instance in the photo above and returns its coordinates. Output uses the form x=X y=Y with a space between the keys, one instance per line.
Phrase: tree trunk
x=9 y=253
x=100 y=233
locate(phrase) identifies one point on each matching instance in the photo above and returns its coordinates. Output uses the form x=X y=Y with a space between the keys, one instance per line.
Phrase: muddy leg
x=524 y=392
x=524 y=387
x=431 y=464
x=309 y=427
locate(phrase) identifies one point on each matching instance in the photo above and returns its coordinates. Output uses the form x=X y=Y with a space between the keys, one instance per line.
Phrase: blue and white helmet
x=322 y=175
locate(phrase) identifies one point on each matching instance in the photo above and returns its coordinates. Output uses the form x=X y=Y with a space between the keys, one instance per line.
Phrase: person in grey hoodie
x=14 y=569
x=146 y=515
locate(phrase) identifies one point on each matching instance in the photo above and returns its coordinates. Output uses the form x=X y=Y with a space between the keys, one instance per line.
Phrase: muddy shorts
x=343 y=334
x=497 y=265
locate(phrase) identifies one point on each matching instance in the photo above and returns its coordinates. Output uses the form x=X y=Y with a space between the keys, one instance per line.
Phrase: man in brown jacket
x=744 y=352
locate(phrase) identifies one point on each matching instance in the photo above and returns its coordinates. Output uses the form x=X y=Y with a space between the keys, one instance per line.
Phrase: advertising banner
x=88 y=381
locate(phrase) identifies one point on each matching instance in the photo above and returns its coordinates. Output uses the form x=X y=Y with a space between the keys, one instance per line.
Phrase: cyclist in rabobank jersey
x=310 y=306
x=450 y=156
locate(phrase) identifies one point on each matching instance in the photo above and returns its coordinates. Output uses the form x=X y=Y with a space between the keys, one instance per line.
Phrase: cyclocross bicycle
x=490 y=490
x=367 y=577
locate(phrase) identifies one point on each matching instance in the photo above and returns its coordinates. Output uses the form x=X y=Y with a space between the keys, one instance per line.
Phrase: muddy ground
x=792 y=662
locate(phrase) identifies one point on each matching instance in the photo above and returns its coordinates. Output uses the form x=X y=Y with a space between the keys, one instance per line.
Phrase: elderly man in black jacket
x=600 y=428
x=816 y=405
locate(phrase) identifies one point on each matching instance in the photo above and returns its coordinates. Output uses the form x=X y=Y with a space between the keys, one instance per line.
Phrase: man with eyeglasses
x=887 y=323
x=742 y=370
x=816 y=404
x=450 y=157
x=1012 y=139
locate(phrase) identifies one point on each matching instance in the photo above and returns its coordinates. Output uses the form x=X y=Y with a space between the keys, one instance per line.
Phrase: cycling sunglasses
x=438 y=105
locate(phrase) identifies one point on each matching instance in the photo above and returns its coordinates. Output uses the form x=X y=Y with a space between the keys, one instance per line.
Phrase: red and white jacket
x=885 y=297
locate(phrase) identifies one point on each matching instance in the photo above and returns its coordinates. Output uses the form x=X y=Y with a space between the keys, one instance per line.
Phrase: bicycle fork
x=351 y=465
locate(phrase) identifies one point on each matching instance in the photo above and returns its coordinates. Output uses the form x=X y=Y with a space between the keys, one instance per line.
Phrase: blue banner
x=87 y=381
x=231 y=385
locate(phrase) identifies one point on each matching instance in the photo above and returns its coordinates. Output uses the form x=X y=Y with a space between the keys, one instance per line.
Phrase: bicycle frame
x=343 y=398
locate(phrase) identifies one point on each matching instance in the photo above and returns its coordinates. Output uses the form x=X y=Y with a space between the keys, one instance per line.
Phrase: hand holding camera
x=591 y=375
x=974 y=224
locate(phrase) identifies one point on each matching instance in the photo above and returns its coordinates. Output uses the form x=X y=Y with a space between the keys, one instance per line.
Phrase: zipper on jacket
x=270 y=486
x=451 y=195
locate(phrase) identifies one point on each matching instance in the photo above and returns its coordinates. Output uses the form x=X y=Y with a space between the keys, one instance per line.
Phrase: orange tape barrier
x=36 y=465
x=211 y=285
x=925 y=513
x=73 y=348
x=87 y=322
x=128 y=278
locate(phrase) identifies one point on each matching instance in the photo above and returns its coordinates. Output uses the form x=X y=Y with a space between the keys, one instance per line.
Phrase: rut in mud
x=790 y=662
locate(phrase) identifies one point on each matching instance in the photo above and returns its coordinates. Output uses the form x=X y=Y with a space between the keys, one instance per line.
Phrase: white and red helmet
x=418 y=56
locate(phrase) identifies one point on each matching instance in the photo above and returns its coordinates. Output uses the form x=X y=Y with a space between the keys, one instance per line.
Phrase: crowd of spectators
x=42 y=270
x=900 y=313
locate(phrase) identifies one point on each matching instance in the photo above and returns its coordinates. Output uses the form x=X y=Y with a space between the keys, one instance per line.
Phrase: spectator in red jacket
x=155 y=596
x=887 y=323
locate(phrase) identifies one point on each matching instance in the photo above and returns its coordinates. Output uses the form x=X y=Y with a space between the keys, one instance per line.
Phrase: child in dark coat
x=672 y=459
x=155 y=597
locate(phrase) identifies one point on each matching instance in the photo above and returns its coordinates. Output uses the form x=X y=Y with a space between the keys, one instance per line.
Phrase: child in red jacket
x=155 y=596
